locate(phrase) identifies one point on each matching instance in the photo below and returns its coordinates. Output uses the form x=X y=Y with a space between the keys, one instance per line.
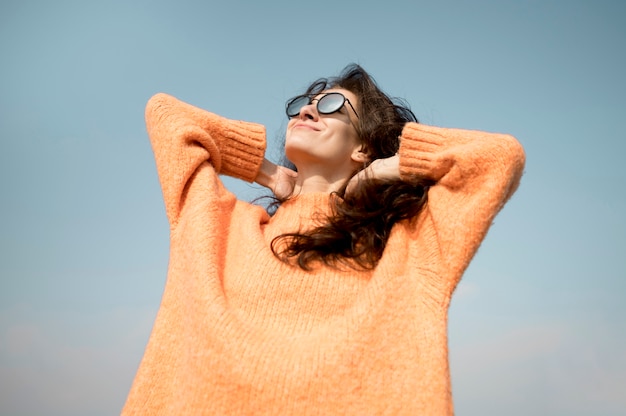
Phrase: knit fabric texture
x=240 y=332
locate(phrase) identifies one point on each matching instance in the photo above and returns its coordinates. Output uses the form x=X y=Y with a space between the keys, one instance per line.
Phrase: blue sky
x=536 y=326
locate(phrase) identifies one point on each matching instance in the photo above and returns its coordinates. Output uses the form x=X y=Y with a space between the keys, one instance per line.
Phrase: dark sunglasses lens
x=295 y=105
x=330 y=103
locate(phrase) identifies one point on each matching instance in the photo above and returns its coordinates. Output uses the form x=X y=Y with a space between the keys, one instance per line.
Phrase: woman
x=336 y=304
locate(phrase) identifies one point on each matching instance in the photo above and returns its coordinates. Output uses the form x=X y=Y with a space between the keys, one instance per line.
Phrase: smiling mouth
x=305 y=126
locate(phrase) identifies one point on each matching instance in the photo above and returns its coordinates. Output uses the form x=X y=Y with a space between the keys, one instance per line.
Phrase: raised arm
x=475 y=173
x=184 y=137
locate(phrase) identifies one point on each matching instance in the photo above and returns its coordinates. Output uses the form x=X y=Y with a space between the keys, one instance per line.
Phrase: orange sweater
x=241 y=333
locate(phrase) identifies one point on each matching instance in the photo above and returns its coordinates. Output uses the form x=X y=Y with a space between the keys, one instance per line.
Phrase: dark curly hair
x=357 y=230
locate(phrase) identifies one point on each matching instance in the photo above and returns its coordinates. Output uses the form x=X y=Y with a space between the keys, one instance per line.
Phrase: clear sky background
x=536 y=326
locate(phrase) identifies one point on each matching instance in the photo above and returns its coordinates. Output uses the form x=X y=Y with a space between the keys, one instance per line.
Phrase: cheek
x=352 y=137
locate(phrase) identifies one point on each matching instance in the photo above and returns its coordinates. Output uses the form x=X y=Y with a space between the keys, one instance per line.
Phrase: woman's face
x=325 y=141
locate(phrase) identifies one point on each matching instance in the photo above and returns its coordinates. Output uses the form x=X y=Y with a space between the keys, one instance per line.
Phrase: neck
x=316 y=185
x=311 y=180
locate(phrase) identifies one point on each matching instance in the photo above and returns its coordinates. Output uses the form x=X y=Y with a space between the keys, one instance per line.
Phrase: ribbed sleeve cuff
x=419 y=146
x=242 y=149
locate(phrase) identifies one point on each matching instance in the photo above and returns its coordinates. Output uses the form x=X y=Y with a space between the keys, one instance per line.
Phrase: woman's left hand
x=388 y=168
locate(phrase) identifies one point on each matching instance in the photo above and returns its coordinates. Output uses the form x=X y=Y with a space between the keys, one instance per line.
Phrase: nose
x=309 y=111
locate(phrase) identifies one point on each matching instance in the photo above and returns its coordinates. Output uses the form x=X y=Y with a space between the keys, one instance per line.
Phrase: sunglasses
x=328 y=103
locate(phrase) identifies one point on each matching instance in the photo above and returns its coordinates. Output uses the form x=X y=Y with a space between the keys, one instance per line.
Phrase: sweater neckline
x=310 y=197
x=302 y=211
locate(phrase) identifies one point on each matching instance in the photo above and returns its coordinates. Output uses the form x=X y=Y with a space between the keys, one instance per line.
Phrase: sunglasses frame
x=317 y=106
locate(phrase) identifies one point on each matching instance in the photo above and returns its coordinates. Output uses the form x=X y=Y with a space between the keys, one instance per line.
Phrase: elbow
x=513 y=154
x=513 y=162
x=518 y=154
x=157 y=109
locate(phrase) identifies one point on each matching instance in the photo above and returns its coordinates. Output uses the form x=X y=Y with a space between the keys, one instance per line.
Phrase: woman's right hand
x=279 y=179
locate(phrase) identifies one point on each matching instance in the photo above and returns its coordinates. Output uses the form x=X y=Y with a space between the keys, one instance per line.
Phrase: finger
x=354 y=182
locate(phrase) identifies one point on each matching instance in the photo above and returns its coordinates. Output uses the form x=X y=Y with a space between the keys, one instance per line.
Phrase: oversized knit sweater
x=239 y=332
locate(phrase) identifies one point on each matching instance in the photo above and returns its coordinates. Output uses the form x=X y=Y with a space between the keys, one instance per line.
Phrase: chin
x=299 y=154
x=297 y=143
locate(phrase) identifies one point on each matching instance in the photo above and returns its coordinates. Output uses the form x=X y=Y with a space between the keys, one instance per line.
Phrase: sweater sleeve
x=183 y=137
x=474 y=172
